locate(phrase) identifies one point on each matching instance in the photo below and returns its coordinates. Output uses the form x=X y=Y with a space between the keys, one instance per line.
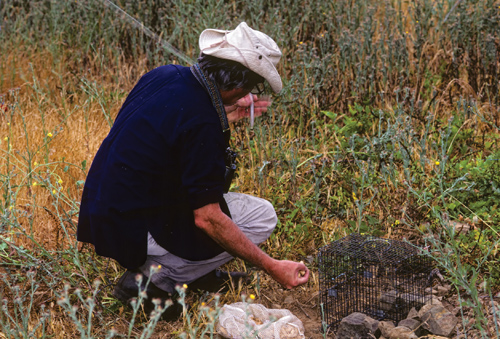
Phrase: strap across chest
x=214 y=93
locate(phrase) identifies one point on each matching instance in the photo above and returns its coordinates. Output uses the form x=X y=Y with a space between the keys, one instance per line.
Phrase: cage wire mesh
x=381 y=278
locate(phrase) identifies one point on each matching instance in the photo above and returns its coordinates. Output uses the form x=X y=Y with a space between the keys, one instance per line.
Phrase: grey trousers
x=254 y=216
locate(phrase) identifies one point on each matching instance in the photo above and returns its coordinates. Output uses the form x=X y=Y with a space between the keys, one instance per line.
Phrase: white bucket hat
x=253 y=49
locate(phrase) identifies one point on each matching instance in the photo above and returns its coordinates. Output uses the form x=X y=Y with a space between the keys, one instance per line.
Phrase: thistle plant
x=201 y=324
x=18 y=311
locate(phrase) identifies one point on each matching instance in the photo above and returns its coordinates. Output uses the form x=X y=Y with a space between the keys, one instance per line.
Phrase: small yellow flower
x=437 y=163
x=406 y=32
x=11 y=207
x=159 y=266
x=417 y=21
x=184 y=286
x=202 y=304
x=59 y=181
x=301 y=43
x=6 y=138
x=54 y=191
x=35 y=164
x=252 y=297
x=396 y=222
x=8 y=124
x=34 y=184
x=354 y=196
x=49 y=135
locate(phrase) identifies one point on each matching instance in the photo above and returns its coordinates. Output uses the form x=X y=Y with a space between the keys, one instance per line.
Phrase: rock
x=447 y=304
x=425 y=309
x=371 y=324
x=389 y=297
x=434 y=301
x=412 y=324
x=415 y=325
x=289 y=299
x=442 y=290
x=460 y=227
x=356 y=325
x=385 y=327
x=437 y=320
x=402 y=332
x=387 y=300
x=411 y=297
x=413 y=314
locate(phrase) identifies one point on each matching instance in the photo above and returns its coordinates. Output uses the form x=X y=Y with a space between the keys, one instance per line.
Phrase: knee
x=271 y=217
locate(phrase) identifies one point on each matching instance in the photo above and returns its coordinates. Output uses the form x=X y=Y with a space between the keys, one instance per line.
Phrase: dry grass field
x=388 y=125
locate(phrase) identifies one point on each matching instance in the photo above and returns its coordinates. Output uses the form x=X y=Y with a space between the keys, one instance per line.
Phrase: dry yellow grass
x=46 y=132
x=43 y=129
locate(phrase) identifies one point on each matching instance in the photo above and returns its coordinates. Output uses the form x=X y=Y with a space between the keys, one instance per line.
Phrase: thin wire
x=251 y=111
x=451 y=10
x=139 y=25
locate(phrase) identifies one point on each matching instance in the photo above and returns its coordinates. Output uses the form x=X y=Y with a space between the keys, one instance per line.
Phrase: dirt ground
x=302 y=301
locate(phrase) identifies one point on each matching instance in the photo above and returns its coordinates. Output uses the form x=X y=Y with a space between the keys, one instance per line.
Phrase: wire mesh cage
x=381 y=278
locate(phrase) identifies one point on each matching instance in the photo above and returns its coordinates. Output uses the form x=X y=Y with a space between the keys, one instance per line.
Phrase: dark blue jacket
x=163 y=158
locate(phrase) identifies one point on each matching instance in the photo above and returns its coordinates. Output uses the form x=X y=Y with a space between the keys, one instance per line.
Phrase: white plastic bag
x=242 y=321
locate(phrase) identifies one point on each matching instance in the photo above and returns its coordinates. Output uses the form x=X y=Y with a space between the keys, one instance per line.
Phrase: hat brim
x=266 y=68
x=210 y=40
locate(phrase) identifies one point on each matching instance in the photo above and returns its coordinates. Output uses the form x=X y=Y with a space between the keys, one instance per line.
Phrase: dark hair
x=228 y=74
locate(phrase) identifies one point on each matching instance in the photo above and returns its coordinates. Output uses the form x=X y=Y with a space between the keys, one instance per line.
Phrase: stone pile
x=432 y=319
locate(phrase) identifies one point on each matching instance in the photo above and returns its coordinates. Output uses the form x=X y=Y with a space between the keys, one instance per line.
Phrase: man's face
x=230 y=97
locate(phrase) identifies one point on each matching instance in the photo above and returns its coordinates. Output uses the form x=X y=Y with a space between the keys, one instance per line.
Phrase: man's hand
x=289 y=273
x=241 y=109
